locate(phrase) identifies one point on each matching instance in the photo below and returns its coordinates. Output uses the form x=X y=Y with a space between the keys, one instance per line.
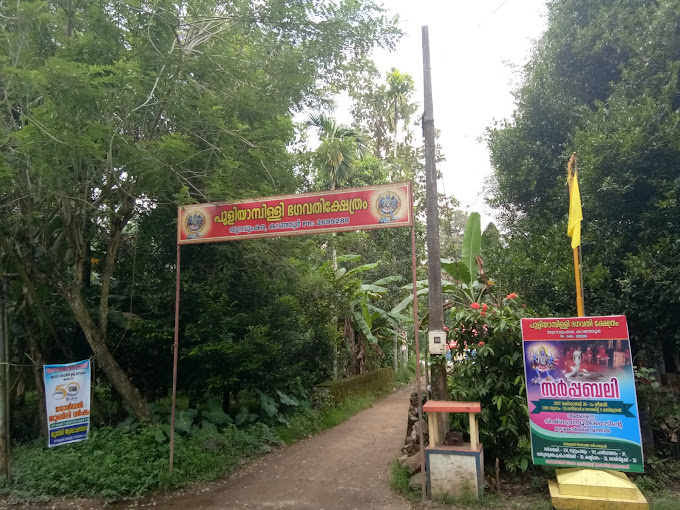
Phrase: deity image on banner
x=194 y=223
x=388 y=206
x=544 y=362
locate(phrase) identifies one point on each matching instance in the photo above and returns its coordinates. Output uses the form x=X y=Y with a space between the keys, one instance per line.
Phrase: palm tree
x=340 y=148
x=401 y=87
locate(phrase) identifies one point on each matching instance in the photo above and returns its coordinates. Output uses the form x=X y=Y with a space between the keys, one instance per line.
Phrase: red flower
x=512 y=295
x=524 y=305
x=475 y=306
x=481 y=343
x=483 y=313
x=446 y=329
x=484 y=307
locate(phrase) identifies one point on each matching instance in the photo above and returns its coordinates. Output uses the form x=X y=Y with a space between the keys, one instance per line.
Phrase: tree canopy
x=114 y=112
x=602 y=82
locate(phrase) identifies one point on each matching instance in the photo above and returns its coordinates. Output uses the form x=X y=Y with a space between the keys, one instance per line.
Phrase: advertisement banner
x=370 y=207
x=67 y=395
x=583 y=408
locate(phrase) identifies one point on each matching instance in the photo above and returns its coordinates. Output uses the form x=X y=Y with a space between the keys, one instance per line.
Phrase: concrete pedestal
x=595 y=489
x=455 y=470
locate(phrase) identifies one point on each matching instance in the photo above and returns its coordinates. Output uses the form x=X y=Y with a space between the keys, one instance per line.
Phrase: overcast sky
x=473 y=48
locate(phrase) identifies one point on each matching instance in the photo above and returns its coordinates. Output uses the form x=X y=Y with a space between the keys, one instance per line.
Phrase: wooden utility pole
x=434 y=267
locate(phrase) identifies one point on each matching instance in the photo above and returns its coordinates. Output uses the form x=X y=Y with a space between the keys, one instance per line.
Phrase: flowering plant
x=489 y=368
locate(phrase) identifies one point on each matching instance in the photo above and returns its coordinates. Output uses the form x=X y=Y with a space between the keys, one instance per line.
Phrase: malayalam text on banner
x=383 y=206
x=583 y=408
x=67 y=395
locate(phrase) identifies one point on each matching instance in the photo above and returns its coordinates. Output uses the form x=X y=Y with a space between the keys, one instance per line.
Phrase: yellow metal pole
x=577 y=274
x=571 y=169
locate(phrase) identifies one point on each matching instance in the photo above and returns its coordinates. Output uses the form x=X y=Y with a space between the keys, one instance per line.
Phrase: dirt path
x=346 y=467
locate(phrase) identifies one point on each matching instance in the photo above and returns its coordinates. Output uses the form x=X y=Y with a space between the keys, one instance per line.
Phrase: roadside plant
x=489 y=368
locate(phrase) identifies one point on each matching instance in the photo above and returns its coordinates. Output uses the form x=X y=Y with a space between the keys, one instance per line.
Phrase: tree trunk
x=129 y=393
x=395 y=350
x=38 y=361
x=648 y=446
x=396 y=129
x=226 y=401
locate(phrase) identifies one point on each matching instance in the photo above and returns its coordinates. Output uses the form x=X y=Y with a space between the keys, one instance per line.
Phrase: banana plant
x=365 y=313
x=465 y=287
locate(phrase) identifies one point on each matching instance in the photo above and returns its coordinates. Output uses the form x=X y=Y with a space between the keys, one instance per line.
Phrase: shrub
x=114 y=463
x=491 y=371
x=406 y=372
x=375 y=382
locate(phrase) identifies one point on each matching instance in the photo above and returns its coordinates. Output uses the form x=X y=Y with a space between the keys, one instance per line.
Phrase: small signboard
x=67 y=395
x=581 y=392
x=383 y=206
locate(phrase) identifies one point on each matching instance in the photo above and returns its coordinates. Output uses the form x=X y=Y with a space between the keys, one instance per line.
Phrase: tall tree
x=339 y=150
x=109 y=110
x=400 y=87
x=603 y=82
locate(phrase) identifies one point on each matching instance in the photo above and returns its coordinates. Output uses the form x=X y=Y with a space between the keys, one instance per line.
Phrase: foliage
x=39 y=471
x=602 y=82
x=113 y=114
x=660 y=475
x=339 y=149
x=376 y=382
x=365 y=324
x=489 y=368
x=406 y=373
x=660 y=406
x=307 y=421
x=400 y=477
x=207 y=446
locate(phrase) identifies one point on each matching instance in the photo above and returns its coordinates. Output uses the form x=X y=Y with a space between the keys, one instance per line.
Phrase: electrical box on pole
x=437 y=341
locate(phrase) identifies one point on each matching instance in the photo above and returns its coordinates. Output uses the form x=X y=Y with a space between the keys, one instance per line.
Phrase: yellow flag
x=575 y=214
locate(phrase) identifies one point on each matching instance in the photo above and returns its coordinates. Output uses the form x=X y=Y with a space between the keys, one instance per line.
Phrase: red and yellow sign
x=384 y=206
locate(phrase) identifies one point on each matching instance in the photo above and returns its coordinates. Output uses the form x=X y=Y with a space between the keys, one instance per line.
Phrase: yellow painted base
x=595 y=489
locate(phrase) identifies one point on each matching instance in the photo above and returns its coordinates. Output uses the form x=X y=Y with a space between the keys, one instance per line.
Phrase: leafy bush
x=115 y=463
x=406 y=372
x=375 y=382
x=660 y=411
x=400 y=478
x=491 y=370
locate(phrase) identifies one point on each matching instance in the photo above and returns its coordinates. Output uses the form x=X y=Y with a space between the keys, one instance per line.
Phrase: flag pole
x=571 y=172
x=579 y=291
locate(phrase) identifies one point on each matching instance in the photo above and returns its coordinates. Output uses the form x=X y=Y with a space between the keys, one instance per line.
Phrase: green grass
x=400 y=478
x=406 y=374
x=312 y=421
x=669 y=502
x=113 y=465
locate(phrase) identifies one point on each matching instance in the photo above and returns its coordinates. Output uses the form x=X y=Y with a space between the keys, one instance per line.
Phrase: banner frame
x=409 y=223
x=613 y=337
x=322 y=230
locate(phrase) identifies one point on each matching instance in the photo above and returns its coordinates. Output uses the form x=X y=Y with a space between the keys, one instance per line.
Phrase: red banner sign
x=384 y=206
